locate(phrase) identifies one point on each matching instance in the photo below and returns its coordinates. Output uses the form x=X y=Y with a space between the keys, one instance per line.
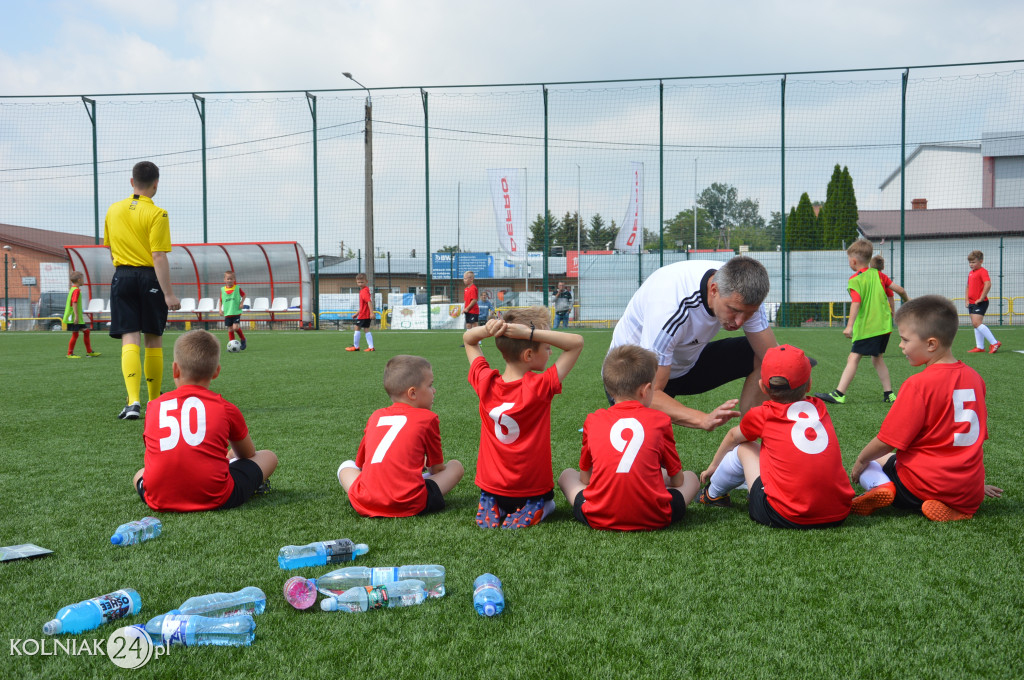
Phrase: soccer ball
x=234 y=346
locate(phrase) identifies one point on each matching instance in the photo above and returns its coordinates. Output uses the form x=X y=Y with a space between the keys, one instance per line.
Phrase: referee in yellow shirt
x=138 y=234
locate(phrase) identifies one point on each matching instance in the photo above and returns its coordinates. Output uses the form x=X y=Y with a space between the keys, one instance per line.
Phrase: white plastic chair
x=205 y=306
x=295 y=303
x=261 y=304
x=95 y=306
x=188 y=305
x=247 y=303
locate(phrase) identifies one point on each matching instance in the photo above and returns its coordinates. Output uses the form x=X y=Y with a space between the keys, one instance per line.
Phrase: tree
x=565 y=236
x=839 y=214
x=600 y=234
x=450 y=249
x=536 y=241
x=802 y=231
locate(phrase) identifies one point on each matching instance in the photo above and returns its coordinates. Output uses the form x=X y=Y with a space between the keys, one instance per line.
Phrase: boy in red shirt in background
x=73 y=317
x=513 y=467
x=363 y=316
x=470 y=298
x=978 y=286
x=796 y=476
x=187 y=432
x=937 y=426
x=628 y=450
x=398 y=440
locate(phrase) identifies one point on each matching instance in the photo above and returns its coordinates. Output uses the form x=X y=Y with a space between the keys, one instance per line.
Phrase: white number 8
x=501 y=420
x=632 y=447
x=805 y=418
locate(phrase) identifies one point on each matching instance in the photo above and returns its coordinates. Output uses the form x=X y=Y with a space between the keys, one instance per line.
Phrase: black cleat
x=130 y=412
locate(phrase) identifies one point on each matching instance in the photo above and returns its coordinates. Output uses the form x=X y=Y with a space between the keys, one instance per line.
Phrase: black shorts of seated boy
x=187 y=434
x=386 y=479
x=630 y=476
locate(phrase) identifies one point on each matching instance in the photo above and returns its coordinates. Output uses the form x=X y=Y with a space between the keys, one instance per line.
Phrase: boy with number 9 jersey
x=630 y=476
x=795 y=478
x=187 y=434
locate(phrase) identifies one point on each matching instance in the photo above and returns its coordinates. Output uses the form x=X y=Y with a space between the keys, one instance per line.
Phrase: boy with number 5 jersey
x=386 y=479
x=796 y=476
x=630 y=476
x=187 y=434
x=513 y=467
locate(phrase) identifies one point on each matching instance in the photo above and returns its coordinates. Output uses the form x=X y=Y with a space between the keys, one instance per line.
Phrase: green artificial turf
x=717 y=596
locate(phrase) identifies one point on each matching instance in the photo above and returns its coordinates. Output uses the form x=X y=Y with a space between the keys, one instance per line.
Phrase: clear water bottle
x=488 y=598
x=250 y=600
x=300 y=592
x=320 y=553
x=340 y=580
x=363 y=598
x=192 y=630
x=137 y=532
x=90 y=614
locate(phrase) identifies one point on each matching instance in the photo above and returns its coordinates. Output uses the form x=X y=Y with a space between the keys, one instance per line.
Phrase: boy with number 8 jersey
x=386 y=479
x=630 y=476
x=795 y=478
x=513 y=467
x=187 y=434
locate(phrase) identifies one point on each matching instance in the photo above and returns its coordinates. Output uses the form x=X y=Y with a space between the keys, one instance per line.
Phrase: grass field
x=717 y=596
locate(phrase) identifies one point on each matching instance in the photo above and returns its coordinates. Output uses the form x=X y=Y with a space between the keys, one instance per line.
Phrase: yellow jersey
x=134 y=229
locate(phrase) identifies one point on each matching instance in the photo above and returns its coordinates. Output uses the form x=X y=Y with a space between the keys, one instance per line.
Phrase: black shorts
x=720 y=362
x=678 y=504
x=136 y=302
x=904 y=499
x=871 y=347
x=510 y=504
x=361 y=323
x=435 y=499
x=230 y=321
x=472 y=318
x=75 y=327
x=978 y=308
x=762 y=512
x=246 y=474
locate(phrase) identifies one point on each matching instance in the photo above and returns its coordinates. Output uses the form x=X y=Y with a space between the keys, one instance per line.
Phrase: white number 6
x=501 y=420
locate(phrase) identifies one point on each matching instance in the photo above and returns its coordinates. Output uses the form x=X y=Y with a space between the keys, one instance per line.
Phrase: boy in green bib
x=231 y=296
x=73 y=317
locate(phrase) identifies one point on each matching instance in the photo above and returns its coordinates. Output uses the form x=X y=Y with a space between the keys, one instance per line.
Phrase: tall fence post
x=661 y=173
x=903 y=176
x=1001 y=281
x=426 y=191
x=200 y=103
x=90 y=110
x=547 y=225
x=782 y=318
x=311 y=102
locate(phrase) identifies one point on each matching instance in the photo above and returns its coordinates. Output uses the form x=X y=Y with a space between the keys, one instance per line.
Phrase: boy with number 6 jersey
x=795 y=478
x=386 y=479
x=630 y=476
x=187 y=433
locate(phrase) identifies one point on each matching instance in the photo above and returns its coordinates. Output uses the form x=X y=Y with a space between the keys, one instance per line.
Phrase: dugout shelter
x=274 y=275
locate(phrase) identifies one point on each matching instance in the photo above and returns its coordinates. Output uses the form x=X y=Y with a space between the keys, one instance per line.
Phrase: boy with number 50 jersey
x=187 y=434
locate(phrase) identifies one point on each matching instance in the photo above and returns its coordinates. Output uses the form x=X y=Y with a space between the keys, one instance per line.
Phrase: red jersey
x=365 y=307
x=515 y=434
x=397 y=442
x=801 y=467
x=938 y=427
x=470 y=299
x=624 y=448
x=187 y=434
x=975 y=284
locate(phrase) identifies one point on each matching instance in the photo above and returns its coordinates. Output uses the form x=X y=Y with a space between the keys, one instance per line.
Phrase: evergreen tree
x=839 y=214
x=802 y=228
x=600 y=234
x=536 y=242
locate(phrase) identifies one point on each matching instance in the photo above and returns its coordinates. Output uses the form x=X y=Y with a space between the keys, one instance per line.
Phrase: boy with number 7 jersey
x=630 y=476
x=187 y=434
x=386 y=479
x=795 y=478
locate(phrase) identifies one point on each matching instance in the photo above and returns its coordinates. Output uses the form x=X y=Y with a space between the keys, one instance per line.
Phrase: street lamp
x=7 y=313
x=368 y=182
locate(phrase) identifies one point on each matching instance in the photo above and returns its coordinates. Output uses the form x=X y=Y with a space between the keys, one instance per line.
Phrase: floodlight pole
x=7 y=309
x=368 y=182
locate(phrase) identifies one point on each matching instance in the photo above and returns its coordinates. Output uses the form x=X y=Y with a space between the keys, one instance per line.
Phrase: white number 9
x=632 y=447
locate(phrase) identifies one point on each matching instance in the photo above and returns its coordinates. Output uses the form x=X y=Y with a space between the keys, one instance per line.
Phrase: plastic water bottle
x=363 y=598
x=488 y=598
x=320 y=553
x=250 y=600
x=90 y=614
x=193 y=630
x=340 y=580
x=137 y=532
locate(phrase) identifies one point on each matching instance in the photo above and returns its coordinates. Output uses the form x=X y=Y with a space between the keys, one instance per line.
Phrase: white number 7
x=632 y=447
x=965 y=415
x=394 y=425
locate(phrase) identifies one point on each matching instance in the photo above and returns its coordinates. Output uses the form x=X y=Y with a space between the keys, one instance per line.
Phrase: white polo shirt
x=669 y=315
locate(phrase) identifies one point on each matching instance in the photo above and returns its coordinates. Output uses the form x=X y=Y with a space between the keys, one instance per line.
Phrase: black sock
x=886 y=393
x=838 y=392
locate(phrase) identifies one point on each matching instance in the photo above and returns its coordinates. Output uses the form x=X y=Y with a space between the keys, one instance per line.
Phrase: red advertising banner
x=572 y=260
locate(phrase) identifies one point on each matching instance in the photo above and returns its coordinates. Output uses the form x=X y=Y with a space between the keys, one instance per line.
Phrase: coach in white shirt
x=678 y=311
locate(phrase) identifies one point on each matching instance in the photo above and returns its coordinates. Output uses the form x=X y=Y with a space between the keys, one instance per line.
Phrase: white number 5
x=632 y=447
x=965 y=415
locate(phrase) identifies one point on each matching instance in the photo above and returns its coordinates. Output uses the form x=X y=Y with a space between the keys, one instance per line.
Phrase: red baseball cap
x=786 y=361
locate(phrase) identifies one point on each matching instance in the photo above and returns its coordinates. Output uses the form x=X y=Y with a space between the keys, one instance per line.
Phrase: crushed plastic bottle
x=137 y=532
x=364 y=598
x=320 y=553
x=90 y=614
x=250 y=600
x=192 y=630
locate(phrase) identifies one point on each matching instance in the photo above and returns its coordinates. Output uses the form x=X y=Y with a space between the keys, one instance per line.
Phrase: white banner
x=414 y=317
x=631 y=232
x=507 y=197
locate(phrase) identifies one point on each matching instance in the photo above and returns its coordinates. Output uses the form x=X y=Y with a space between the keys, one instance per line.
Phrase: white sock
x=369 y=339
x=987 y=334
x=728 y=476
x=355 y=339
x=873 y=476
x=345 y=464
x=979 y=339
x=549 y=507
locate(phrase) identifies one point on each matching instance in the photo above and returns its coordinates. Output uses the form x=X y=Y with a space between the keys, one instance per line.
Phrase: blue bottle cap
x=116 y=539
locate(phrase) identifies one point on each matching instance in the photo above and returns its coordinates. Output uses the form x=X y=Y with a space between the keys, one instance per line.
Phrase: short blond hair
x=861 y=250
x=626 y=369
x=197 y=354
x=878 y=262
x=76 y=278
x=511 y=348
x=975 y=256
x=404 y=371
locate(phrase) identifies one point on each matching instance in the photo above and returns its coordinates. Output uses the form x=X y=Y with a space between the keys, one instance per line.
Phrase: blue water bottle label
x=382 y=575
x=339 y=551
x=173 y=629
x=114 y=606
x=377 y=597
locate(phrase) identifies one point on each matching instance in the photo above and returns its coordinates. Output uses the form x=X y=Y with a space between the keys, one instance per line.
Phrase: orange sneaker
x=973 y=350
x=351 y=349
x=369 y=349
x=995 y=348
x=937 y=511
x=869 y=501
